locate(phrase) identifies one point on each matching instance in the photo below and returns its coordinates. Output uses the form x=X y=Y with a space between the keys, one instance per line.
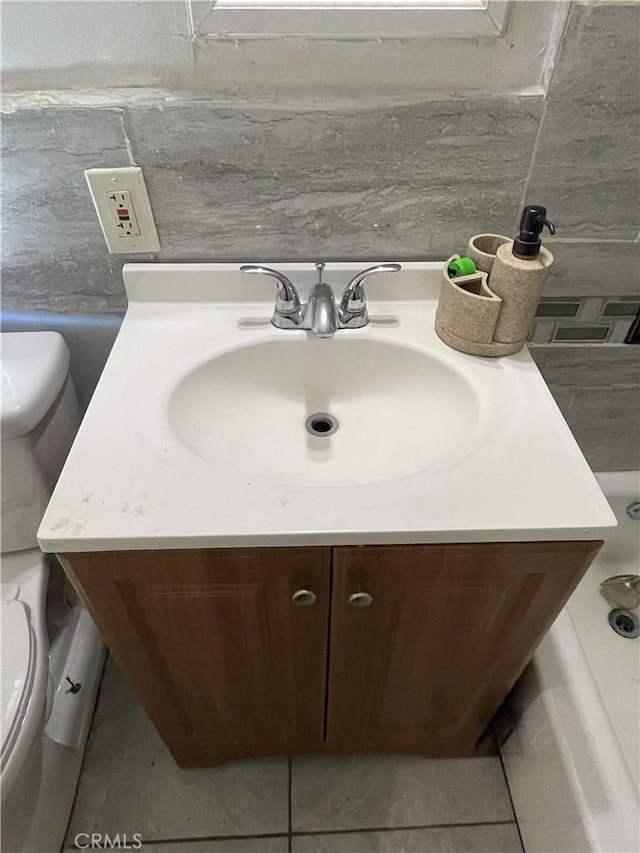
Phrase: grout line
x=532 y=163
x=199 y=838
x=551 y=61
x=596 y=389
x=303 y=833
x=290 y=808
x=197 y=29
x=189 y=14
x=409 y=828
x=506 y=781
x=127 y=138
x=557 y=37
x=587 y=240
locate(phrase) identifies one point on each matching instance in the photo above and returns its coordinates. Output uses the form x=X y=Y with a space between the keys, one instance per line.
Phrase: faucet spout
x=319 y=314
x=322 y=308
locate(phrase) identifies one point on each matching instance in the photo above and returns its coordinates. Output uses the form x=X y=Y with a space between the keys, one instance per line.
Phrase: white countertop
x=129 y=483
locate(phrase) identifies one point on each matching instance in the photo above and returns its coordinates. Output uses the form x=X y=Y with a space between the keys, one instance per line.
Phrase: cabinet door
x=424 y=666
x=225 y=663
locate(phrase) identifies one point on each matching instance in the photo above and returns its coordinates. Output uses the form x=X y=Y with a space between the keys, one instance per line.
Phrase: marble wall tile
x=594 y=269
x=386 y=182
x=76 y=284
x=586 y=168
x=606 y=425
x=53 y=252
x=593 y=367
x=46 y=206
x=597 y=389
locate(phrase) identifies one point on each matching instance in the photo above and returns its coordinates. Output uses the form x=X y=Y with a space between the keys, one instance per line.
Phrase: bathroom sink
x=314 y=412
x=212 y=428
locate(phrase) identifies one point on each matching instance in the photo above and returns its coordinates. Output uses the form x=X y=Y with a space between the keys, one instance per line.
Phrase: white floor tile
x=452 y=839
x=369 y=791
x=130 y=783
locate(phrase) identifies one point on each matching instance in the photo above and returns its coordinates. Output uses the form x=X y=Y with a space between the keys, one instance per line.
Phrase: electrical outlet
x=122 y=203
x=124 y=214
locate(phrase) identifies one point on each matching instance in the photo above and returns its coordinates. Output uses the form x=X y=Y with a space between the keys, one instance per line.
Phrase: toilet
x=52 y=655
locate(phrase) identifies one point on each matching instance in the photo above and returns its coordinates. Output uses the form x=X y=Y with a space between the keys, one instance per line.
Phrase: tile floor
x=311 y=804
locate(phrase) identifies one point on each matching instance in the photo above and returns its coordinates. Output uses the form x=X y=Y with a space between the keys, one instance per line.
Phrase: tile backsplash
x=592 y=319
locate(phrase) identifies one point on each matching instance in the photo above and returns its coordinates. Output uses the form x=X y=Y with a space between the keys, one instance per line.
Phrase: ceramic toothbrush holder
x=482 y=249
x=467 y=312
x=489 y=312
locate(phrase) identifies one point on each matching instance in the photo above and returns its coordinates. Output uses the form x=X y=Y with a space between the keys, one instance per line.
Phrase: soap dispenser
x=518 y=276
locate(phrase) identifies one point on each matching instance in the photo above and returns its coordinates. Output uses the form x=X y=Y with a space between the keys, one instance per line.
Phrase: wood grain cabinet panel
x=224 y=662
x=426 y=664
x=227 y=665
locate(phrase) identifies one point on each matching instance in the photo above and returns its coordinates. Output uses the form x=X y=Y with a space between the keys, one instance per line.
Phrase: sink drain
x=321 y=424
x=624 y=623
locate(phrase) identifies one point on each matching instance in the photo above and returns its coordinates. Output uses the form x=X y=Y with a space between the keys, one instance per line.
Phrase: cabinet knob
x=360 y=599
x=304 y=597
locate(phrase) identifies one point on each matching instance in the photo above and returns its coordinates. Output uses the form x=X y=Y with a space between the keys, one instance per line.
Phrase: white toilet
x=52 y=655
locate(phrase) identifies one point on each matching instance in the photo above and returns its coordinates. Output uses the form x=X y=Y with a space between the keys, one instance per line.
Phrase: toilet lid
x=18 y=668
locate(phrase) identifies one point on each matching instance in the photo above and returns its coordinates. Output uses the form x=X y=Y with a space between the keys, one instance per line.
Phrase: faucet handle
x=288 y=310
x=353 y=307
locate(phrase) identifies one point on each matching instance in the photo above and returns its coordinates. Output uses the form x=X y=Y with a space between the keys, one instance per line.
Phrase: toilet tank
x=38 y=422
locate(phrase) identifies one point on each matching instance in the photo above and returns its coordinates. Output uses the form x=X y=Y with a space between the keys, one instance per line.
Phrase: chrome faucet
x=320 y=315
x=321 y=308
x=622 y=591
x=288 y=311
x=353 y=307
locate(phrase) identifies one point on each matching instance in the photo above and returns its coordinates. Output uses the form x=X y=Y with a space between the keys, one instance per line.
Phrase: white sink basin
x=397 y=410
x=196 y=438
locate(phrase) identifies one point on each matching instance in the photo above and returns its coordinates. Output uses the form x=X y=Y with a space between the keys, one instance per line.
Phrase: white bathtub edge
x=571 y=787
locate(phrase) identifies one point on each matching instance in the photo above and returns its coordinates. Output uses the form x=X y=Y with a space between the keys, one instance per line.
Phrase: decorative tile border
x=592 y=320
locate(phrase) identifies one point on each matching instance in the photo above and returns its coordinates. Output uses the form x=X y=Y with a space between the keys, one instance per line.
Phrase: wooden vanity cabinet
x=425 y=666
x=247 y=652
x=223 y=661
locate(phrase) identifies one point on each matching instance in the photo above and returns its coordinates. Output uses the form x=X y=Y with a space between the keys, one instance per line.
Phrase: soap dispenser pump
x=527 y=243
x=518 y=277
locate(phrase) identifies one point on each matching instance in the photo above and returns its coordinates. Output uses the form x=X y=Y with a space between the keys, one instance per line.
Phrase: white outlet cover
x=129 y=179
